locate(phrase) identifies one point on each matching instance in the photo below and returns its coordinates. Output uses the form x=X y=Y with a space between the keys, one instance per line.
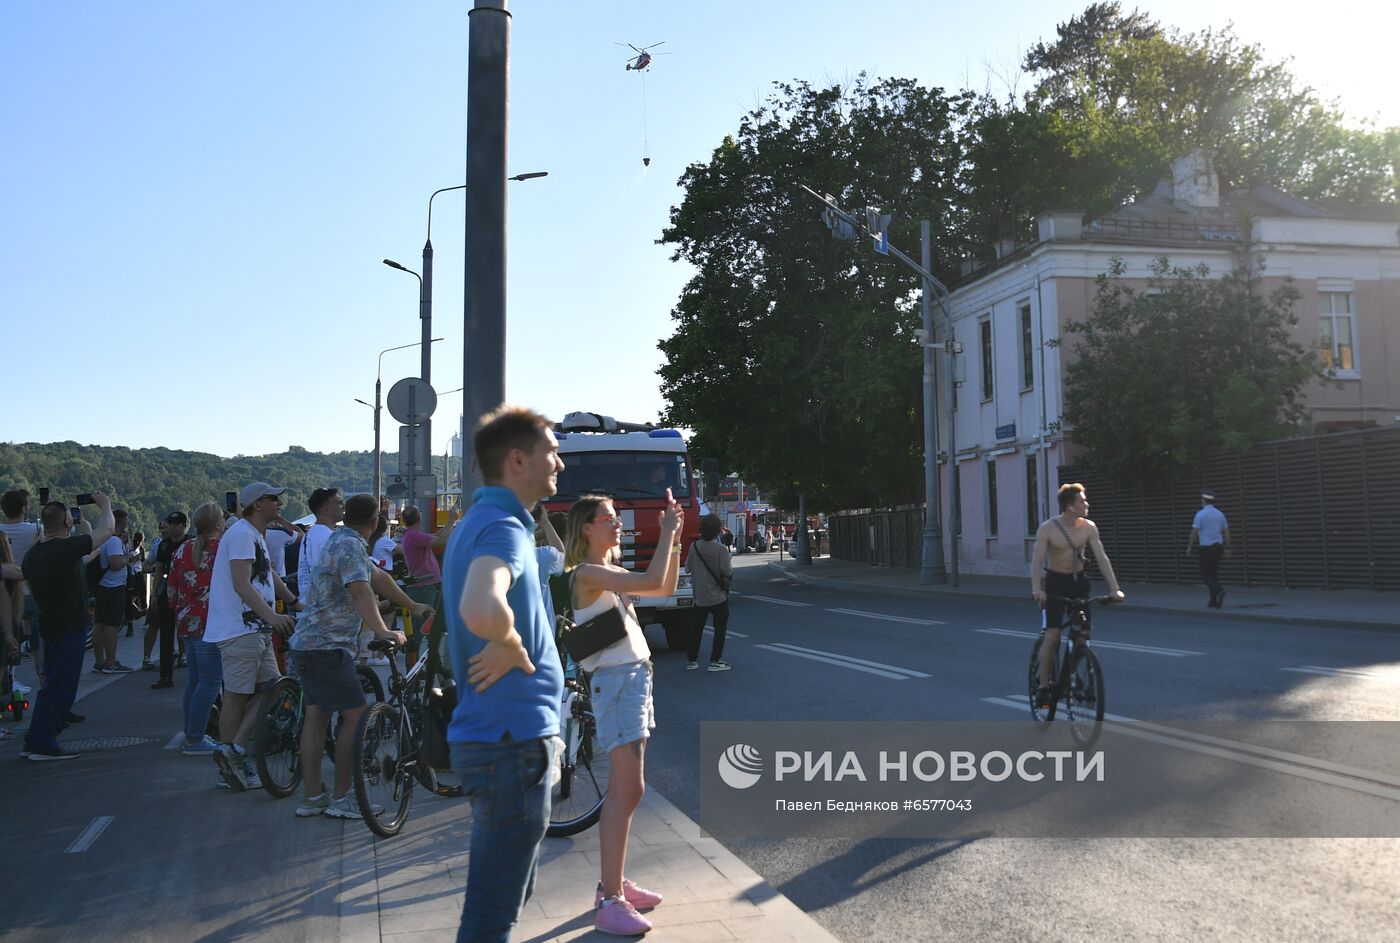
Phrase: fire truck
x=634 y=464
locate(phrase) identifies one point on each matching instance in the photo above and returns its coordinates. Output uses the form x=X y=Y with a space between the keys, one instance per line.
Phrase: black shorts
x=111 y=605
x=328 y=677
x=1067 y=586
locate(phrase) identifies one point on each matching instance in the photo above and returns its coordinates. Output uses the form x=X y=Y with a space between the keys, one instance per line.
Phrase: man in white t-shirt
x=23 y=534
x=280 y=535
x=243 y=591
x=110 y=610
x=329 y=508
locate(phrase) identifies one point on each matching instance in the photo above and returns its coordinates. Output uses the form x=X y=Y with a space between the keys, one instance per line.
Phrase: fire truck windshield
x=624 y=475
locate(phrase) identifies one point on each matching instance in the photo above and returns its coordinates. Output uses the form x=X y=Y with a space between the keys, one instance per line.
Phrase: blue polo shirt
x=525 y=706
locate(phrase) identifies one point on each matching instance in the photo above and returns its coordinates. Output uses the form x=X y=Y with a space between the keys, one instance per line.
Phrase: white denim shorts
x=622 y=704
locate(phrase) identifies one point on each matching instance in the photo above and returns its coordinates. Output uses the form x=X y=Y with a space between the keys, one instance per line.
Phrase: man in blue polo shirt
x=510 y=679
x=1211 y=531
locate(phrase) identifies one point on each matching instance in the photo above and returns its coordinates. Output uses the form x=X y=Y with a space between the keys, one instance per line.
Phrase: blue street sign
x=1007 y=431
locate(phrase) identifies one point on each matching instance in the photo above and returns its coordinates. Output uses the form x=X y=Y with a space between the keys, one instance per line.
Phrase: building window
x=984 y=326
x=992 y=498
x=1032 y=495
x=1338 y=332
x=1027 y=349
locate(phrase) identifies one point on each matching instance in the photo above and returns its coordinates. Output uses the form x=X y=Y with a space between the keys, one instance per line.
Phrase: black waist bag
x=591 y=637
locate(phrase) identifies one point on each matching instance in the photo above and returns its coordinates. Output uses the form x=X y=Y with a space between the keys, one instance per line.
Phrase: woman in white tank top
x=620 y=678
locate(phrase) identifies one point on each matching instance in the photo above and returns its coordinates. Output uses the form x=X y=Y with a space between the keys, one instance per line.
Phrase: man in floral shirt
x=191 y=567
x=338 y=601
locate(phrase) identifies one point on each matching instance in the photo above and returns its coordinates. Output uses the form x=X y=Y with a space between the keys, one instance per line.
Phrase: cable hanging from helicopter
x=641 y=64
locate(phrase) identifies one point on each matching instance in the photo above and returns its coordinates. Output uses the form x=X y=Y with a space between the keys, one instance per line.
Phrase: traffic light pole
x=932 y=567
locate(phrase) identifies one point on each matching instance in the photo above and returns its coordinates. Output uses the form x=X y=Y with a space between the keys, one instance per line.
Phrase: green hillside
x=151 y=482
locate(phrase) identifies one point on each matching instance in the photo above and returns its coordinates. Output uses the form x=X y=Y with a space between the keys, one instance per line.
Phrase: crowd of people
x=248 y=595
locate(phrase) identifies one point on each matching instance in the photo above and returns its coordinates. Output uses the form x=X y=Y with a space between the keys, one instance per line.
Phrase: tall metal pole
x=931 y=570
x=802 y=556
x=954 y=486
x=484 y=315
x=378 y=451
x=427 y=484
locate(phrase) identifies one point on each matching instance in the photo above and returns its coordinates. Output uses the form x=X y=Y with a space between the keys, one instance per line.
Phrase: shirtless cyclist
x=1061 y=546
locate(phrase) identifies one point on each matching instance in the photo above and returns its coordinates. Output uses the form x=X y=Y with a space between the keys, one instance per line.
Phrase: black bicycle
x=277 y=736
x=1077 y=673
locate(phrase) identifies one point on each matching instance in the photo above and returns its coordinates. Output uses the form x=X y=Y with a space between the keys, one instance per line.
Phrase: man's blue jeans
x=63 y=665
x=202 y=684
x=508 y=785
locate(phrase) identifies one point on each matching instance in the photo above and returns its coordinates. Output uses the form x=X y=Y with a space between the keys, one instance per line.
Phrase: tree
x=1156 y=378
x=793 y=357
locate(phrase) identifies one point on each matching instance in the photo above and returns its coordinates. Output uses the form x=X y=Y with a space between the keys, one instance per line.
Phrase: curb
x=867 y=587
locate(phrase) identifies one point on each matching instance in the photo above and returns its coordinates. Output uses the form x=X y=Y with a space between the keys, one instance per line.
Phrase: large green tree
x=1196 y=361
x=793 y=357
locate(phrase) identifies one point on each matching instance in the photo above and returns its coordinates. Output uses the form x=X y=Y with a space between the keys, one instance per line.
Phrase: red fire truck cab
x=634 y=464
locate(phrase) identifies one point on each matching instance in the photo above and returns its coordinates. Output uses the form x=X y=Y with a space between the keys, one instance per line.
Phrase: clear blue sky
x=197 y=196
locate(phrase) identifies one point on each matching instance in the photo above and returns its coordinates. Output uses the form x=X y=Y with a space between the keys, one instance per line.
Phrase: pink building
x=1011 y=434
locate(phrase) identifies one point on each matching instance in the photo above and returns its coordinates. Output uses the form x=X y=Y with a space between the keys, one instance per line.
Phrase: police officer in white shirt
x=1211 y=532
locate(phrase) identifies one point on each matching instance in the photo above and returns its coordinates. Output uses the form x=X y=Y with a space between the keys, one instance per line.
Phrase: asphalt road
x=179 y=861
x=791 y=645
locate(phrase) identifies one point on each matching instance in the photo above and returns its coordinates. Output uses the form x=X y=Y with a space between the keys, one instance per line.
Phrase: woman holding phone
x=621 y=678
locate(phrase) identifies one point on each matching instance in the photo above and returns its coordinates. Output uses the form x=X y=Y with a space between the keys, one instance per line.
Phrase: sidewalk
x=409 y=889
x=1343 y=608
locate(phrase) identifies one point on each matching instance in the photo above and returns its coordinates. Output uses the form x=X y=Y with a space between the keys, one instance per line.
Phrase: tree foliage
x=1157 y=377
x=793 y=357
x=150 y=483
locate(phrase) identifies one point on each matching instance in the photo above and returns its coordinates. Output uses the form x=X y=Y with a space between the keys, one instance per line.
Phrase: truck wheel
x=678 y=627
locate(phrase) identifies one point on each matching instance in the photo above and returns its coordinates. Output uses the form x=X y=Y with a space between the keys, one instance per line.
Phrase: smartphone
x=43 y=495
x=86 y=499
x=77 y=515
x=231 y=501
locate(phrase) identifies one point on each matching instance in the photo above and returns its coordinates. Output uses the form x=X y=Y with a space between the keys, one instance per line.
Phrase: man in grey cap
x=1212 y=532
x=243 y=592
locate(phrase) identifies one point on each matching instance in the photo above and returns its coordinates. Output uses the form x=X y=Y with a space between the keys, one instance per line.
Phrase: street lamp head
x=392 y=264
x=362 y=402
x=530 y=176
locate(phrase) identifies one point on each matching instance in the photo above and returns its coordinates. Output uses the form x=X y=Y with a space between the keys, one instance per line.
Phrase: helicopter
x=642 y=60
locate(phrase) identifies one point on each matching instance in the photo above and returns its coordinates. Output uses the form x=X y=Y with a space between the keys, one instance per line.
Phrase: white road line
x=730 y=633
x=1116 y=646
x=886 y=618
x=839 y=664
x=1354 y=673
x=89 y=835
x=848 y=660
x=1354 y=778
x=776 y=602
x=175 y=741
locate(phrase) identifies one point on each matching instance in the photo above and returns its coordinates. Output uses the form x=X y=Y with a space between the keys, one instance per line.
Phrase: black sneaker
x=163 y=683
x=57 y=753
x=72 y=718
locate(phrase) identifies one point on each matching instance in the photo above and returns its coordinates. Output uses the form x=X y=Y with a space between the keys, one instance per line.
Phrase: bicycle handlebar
x=1106 y=600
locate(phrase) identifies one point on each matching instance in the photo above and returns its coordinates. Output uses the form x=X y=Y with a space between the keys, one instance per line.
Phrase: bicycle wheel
x=383 y=782
x=277 y=738
x=1042 y=715
x=1084 y=700
x=576 y=800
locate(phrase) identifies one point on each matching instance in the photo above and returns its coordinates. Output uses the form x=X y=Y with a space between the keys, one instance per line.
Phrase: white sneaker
x=343 y=808
x=20 y=687
x=316 y=805
x=250 y=773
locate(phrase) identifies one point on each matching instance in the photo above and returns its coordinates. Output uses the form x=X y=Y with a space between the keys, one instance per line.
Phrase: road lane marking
x=731 y=633
x=774 y=601
x=89 y=835
x=1116 y=646
x=175 y=741
x=846 y=661
x=1354 y=778
x=1359 y=674
x=886 y=618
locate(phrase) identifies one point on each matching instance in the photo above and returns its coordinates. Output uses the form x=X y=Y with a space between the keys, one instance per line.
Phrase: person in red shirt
x=190 y=571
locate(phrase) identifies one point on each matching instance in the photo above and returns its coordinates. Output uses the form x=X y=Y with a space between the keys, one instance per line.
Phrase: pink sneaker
x=620 y=918
x=638 y=897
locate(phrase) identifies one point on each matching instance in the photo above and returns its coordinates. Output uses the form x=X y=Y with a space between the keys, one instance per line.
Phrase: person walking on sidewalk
x=323 y=650
x=1059 y=571
x=242 y=592
x=504 y=731
x=1211 y=531
x=711 y=571
x=621 y=677
x=53 y=568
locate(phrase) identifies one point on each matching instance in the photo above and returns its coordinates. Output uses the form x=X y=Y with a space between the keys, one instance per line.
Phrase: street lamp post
x=426 y=372
x=378 y=402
